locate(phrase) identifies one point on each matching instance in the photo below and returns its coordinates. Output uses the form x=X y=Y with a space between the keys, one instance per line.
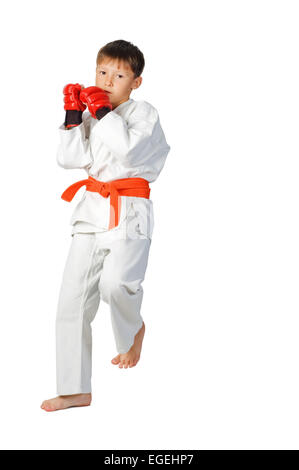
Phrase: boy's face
x=116 y=77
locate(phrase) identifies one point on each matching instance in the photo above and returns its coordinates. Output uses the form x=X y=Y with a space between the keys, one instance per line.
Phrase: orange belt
x=137 y=187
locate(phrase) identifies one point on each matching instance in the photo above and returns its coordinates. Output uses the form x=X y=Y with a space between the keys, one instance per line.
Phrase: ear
x=137 y=83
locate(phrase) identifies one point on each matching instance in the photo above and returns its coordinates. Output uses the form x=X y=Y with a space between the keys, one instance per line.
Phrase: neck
x=122 y=101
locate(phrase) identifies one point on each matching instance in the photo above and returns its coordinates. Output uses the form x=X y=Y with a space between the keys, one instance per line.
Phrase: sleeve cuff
x=63 y=128
x=101 y=112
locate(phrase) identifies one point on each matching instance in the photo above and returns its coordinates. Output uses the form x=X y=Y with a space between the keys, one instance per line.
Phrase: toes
x=116 y=360
x=47 y=408
x=125 y=364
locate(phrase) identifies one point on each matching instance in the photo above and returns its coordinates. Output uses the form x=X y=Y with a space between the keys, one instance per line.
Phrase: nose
x=108 y=81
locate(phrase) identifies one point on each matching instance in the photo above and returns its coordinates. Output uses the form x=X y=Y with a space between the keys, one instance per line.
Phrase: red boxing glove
x=72 y=99
x=95 y=98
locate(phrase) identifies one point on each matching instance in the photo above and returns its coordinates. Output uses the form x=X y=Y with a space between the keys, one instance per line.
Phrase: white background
x=219 y=365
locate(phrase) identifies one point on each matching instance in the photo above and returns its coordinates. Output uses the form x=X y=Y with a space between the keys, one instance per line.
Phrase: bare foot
x=66 y=401
x=130 y=358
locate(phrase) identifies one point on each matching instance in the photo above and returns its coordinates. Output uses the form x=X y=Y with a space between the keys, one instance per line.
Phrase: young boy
x=122 y=147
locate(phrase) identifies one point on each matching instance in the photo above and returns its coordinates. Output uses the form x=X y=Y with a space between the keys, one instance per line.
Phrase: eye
x=120 y=75
x=100 y=71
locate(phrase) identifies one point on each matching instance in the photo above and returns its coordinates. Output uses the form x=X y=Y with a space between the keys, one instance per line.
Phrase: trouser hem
x=127 y=349
x=72 y=391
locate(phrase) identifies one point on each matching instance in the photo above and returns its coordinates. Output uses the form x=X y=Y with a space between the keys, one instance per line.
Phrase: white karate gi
x=101 y=263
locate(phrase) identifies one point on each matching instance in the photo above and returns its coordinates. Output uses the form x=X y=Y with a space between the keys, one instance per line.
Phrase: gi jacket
x=127 y=142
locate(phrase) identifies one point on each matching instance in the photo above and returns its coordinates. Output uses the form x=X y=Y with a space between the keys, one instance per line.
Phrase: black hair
x=123 y=51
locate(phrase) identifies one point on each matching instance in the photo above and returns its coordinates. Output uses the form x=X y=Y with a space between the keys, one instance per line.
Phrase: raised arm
x=74 y=149
x=134 y=141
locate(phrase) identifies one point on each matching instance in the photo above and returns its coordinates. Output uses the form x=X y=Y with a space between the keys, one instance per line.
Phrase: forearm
x=127 y=141
x=74 y=147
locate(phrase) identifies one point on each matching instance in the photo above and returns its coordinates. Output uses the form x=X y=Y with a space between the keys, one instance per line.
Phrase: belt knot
x=102 y=187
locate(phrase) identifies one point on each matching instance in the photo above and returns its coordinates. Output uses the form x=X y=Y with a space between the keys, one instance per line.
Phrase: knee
x=108 y=289
x=117 y=289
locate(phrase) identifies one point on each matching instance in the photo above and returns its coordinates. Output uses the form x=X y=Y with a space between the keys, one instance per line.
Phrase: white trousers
x=97 y=266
